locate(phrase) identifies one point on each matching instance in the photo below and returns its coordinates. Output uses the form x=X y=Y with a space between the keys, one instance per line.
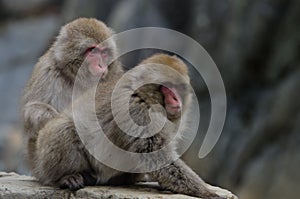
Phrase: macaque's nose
x=101 y=62
x=171 y=96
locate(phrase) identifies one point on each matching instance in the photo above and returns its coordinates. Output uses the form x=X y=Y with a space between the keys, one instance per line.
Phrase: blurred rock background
x=255 y=44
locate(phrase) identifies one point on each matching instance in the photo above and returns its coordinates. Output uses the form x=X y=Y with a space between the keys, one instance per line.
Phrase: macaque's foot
x=211 y=195
x=223 y=193
x=72 y=182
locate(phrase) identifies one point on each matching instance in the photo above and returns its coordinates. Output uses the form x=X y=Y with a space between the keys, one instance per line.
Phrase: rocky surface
x=13 y=186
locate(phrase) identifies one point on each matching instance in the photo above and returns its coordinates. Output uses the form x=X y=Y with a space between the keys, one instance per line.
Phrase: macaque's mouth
x=97 y=70
x=173 y=109
x=171 y=95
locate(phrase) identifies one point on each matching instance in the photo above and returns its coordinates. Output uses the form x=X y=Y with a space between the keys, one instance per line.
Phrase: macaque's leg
x=179 y=178
x=36 y=115
x=60 y=156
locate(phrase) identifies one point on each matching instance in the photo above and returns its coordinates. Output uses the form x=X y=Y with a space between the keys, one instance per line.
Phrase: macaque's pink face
x=98 y=59
x=172 y=100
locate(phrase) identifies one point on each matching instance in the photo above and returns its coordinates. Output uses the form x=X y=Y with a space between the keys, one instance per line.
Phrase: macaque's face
x=173 y=83
x=98 y=58
x=173 y=99
x=85 y=44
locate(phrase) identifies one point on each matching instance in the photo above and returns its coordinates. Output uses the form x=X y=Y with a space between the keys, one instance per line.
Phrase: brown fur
x=171 y=61
x=62 y=159
x=49 y=90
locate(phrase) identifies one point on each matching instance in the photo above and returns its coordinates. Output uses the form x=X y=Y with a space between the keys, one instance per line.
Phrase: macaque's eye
x=106 y=52
x=93 y=50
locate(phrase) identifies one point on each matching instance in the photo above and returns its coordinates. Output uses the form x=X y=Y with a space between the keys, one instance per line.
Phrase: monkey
x=64 y=160
x=83 y=43
x=48 y=90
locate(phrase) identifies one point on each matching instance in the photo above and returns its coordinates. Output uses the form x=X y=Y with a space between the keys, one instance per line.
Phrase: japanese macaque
x=82 y=44
x=72 y=153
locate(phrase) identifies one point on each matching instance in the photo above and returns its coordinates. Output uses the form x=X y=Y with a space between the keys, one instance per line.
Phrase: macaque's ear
x=59 y=46
x=63 y=34
x=112 y=32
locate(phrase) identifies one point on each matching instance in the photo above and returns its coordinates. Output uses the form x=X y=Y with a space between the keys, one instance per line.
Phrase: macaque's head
x=175 y=88
x=80 y=43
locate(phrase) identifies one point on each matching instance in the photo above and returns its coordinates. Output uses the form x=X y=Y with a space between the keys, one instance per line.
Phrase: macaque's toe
x=72 y=182
x=223 y=193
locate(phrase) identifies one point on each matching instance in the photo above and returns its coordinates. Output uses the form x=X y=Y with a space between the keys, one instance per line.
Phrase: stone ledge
x=14 y=186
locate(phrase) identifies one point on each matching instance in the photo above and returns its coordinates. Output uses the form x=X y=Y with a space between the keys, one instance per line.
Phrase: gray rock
x=14 y=186
x=11 y=149
x=138 y=13
x=94 y=8
x=275 y=170
x=21 y=43
x=17 y=6
x=135 y=14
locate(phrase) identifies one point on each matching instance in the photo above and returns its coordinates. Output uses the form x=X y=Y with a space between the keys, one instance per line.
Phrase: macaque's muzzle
x=172 y=99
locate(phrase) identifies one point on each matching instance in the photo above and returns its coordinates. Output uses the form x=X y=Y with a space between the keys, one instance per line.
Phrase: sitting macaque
x=81 y=43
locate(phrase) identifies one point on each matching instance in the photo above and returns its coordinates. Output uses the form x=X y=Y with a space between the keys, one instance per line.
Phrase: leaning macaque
x=139 y=117
x=83 y=43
